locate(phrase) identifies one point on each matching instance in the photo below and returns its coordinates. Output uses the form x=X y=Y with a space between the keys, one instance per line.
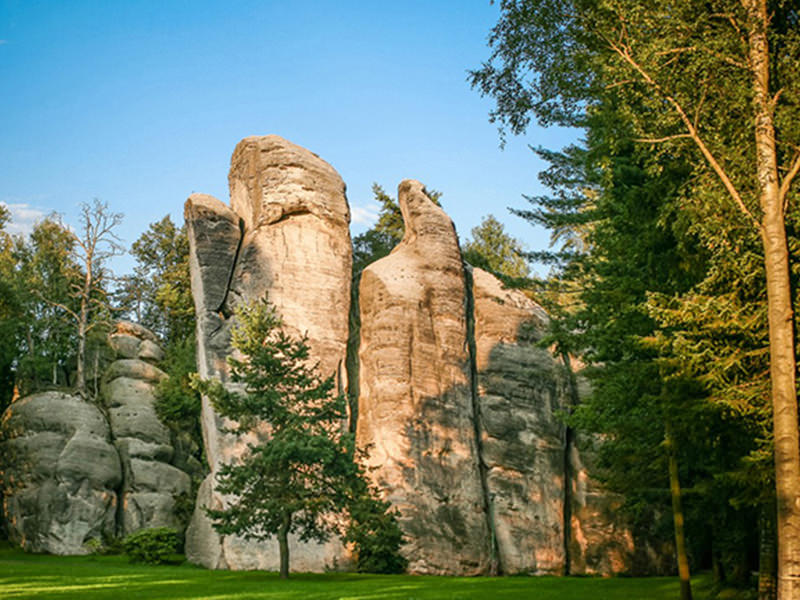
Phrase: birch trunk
x=781 y=318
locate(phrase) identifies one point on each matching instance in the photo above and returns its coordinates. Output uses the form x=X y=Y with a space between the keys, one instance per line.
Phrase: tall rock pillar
x=285 y=237
x=521 y=388
x=416 y=413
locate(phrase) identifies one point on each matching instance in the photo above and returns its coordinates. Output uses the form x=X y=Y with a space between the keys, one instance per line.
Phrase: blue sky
x=140 y=103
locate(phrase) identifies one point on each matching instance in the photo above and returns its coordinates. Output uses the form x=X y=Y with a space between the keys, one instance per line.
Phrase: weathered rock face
x=456 y=404
x=150 y=482
x=61 y=473
x=416 y=411
x=599 y=542
x=287 y=237
x=296 y=247
x=520 y=389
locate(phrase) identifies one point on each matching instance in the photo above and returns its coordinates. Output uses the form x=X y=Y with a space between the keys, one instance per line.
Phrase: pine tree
x=298 y=478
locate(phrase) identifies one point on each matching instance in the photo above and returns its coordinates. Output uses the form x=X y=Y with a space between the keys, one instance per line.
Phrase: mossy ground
x=113 y=577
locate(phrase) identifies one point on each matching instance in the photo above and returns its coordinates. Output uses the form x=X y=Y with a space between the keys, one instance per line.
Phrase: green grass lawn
x=49 y=577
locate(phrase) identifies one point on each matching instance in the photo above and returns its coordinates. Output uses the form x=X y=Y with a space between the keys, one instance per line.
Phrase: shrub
x=155 y=546
x=105 y=546
x=375 y=534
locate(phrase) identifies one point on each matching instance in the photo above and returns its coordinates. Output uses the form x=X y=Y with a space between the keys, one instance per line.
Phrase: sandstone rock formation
x=150 y=483
x=520 y=389
x=60 y=474
x=286 y=237
x=416 y=413
x=599 y=541
x=74 y=471
x=456 y=403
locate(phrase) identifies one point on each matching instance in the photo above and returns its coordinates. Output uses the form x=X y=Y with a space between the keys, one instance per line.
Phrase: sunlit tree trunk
x=781 y=318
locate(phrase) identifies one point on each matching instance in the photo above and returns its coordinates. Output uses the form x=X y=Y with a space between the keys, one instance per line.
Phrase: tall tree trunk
x=83 y=325
x=80 y=373
x=781 y=318
x=283 y=546
x=677 y=516
x=767 y=564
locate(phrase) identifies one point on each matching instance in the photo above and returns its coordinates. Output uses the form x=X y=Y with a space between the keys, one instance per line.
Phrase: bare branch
x=693 y=133
x=618 y=84
x=66 y=309
x=783 y=193
x=667 y=138
x=723 y=57
x=774 y=101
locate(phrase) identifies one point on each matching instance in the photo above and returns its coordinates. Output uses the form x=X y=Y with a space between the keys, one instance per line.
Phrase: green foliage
x=39 y=272
x=183 y=507
x=177 y=403
x=300 y=471
x=10 y=312
x=158 y=294
x=156 y=546
x=493 y=250
x=374 y=531
x=108 y=545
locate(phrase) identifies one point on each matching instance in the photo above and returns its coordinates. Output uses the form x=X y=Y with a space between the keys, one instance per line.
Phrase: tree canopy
x=712 y=86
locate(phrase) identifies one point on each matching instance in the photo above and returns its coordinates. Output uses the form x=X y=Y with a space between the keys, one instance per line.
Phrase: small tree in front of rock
x=299 y=476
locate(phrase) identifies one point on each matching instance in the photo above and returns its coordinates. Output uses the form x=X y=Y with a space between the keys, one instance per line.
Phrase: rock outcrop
x=74 y=471
x=416 y=415
x=287 y=238
x=60 y=473
x=521 y=388
x=150 y=483
x=456 y=404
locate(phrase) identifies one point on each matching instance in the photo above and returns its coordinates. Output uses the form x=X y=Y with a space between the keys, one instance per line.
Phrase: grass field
x=112 y=577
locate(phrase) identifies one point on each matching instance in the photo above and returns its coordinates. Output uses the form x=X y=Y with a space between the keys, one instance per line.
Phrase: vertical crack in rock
x=351 y=361
x=495 y=562
x=572 y=402
x=223 y=307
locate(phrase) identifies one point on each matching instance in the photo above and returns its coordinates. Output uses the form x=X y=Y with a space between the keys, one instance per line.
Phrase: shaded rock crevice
x=351 y=360
x=495 y=564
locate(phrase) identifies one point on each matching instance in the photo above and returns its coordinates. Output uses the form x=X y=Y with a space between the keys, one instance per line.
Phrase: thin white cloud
x=364 y=215
x=23 y=217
